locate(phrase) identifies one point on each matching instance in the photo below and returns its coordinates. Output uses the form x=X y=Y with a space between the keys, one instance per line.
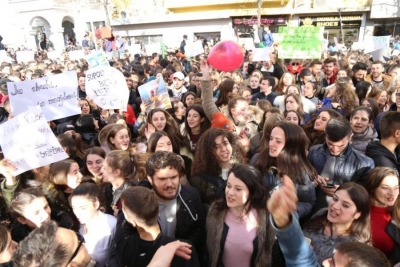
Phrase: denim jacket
x=295 y=249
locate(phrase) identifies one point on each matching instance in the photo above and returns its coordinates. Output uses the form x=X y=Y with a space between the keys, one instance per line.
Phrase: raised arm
x=207 y=91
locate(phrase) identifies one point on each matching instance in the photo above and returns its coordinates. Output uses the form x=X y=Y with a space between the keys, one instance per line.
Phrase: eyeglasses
x=295 y=63
x=81 y=240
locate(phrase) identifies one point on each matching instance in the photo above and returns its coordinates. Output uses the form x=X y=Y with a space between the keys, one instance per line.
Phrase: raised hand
x=283 y=202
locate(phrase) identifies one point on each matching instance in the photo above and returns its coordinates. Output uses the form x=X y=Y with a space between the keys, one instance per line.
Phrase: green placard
x=300 y=42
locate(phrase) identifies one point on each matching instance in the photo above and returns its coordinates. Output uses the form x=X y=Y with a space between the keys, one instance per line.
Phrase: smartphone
x=330 y=185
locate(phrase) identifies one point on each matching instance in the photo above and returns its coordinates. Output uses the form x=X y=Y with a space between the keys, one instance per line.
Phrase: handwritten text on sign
x=28 y=142
x=107 y=87
x=300 y=42
x=56 y=94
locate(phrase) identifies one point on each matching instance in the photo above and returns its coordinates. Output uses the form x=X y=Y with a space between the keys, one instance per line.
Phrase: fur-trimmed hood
x=215 y=230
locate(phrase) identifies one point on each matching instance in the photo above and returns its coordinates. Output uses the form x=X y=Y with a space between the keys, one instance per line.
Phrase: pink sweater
x=239 y=241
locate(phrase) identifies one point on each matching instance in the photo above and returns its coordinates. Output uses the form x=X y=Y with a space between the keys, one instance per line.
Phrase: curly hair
x=345 y=95
x=204 y=160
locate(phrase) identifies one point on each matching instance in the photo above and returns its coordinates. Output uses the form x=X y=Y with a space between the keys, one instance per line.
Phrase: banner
x=97 y=58
x=373 y=43
x=4 y=57
x=300 y=42
x=107 y=87
x=153 y=48
x=56 y=94
x=28 y=142
x=25 y=56
x=261 y=54
x=193 y=49
x=156 y=94
x=134 y=49
x=76 y=55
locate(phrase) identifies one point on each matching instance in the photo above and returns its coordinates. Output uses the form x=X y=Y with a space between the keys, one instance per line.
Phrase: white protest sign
x=107 y=87
x=261 y=54
x=56 y=94
x=134 y=49
x=358 y=46
x=4 y=57
x=25 y=56
x=153 y=48
x=379 y=54
x=76 y=55
x=28 y=142
x=376 y=42
x=193 y=49
x=54 y=55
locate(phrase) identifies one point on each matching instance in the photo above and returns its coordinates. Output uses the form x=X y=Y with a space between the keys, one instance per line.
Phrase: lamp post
x=341 y=25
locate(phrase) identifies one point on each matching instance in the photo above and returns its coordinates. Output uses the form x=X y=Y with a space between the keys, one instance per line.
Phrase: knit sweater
x=380 y=219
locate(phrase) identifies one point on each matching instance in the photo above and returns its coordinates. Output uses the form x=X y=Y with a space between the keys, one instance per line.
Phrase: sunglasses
x=295 y=63
x=81 y=240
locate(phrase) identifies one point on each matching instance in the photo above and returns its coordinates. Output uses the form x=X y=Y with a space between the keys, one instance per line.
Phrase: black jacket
x=382 y=156
x=125 y=248
x=190 y=215
x=394 y=232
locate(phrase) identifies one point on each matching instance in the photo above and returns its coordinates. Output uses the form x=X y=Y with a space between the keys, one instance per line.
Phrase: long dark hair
x=205 y=124
x=254 y=181
x=374 y=180
x=92 y=151
x=362 y=88
x=360 y=229
x=292 y=160
x=225 y=88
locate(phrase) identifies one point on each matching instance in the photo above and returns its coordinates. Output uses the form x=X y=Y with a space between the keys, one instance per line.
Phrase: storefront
x=346 y=27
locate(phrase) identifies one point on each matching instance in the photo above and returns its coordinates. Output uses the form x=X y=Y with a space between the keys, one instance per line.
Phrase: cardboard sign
x=153 y=48
x=97 y=58
x=107 y=87
x=300 y=42
x=156 y=94
x=25 y=56
x=193 y=49
x=57 y=95
x=373 y=43
x=261 y=54
x=28 y=142
x=76 y=55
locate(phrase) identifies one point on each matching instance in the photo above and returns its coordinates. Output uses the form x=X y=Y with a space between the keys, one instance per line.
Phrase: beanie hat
x=220 y=121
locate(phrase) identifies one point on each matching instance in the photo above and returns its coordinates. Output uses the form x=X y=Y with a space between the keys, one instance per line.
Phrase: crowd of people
x=284 y=162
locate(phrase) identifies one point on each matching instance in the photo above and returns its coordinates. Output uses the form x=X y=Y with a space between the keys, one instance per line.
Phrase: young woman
x=196 y=124
x=216 y=81
x=293 y=117
x=342 y=73
x=394 y=87
x=341 y=97
x=216 y=151
x=380 y=94
x=73 y=146
x=372 y=105
x=118 y=169
x=254 y=84
x=93 y=164
x=225 y=88
x=85 y=106
x=118 y=138
x=382 y=184
x=293 y=102
x=286 y=154
x=238 y=229
x=345 y=219
x=285 y=81
x=315 y=128
x=237 y=78
x=309 y=90
x=178 y=112
x=7 y=247
x=308 y=106
x=29 y=208
x=88 y=127
x=361 y=124
x=188 y=99
x=245 y=92
x=85 y=203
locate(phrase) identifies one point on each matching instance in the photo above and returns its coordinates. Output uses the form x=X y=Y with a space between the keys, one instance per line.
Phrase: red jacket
x=130 y=115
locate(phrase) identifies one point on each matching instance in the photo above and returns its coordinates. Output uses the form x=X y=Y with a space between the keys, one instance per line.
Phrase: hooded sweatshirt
x=382 y=156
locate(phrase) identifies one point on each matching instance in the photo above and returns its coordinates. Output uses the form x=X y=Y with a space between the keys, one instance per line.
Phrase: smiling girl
x=382 y=185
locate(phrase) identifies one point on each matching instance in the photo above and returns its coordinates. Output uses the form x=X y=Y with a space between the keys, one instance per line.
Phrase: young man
x=266 y=86
x=358 y=70
x=316 y=70
x=139 y=234
x=377 y=77
x=330 y=69
x=386 y=153
x=177 y=90
x=50 y=245
x=336 y=162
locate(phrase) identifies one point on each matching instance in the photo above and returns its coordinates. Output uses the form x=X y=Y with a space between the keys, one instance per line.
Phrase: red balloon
x=226 y=56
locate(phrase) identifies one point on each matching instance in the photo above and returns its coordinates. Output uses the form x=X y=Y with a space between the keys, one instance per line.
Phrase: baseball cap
x=179 y=75
x=64 y=127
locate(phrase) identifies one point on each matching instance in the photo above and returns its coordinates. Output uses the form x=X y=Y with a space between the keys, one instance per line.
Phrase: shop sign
x=264 y=21
x=332 y=22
